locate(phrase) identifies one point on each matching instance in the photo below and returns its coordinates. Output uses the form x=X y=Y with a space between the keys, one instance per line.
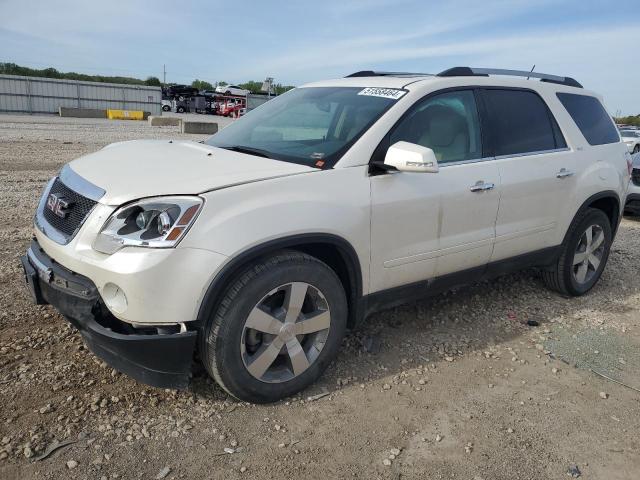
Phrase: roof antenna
x=532 y=69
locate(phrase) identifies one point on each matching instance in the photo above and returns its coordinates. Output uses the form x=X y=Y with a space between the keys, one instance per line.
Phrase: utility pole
x=164 y=75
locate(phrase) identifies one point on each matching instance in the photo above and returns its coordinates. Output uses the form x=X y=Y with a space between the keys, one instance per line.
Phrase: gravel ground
x=455 y=387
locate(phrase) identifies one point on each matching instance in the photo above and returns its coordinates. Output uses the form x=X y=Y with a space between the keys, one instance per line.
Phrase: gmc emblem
x=58 y=205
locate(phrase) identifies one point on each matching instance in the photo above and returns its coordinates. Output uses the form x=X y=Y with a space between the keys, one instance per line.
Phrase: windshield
x=312 y=126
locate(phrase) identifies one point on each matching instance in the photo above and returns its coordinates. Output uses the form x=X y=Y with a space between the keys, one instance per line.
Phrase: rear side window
x=591 y=118
x=520 y=122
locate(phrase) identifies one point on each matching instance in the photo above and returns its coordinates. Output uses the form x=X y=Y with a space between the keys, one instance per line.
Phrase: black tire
x=636 y=149
x=228 y=92
x=180 y=109
x=561 y=276
x=166 y=108
x=221 y=348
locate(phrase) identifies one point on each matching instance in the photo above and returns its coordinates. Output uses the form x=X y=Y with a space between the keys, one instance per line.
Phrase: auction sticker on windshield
x=393 y=93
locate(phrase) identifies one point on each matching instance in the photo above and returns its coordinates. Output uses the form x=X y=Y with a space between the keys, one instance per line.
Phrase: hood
x=146 y=168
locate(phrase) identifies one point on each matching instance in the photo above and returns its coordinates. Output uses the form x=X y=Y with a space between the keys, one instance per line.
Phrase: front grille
x=77 y=211
x=635 y=176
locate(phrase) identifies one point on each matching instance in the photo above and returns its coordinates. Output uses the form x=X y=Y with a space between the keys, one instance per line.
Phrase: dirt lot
x=458 y=384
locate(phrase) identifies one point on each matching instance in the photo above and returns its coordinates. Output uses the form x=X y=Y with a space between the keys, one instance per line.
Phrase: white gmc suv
x=254 y=251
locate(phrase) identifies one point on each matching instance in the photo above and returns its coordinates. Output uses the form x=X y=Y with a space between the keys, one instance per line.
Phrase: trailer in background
x=183 y=99
x=192 y=104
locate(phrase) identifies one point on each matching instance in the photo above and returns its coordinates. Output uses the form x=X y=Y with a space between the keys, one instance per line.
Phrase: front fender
x=333 y=202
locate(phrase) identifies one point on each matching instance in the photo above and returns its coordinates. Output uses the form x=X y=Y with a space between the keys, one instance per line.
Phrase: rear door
x=425 y=225
x=537 y=170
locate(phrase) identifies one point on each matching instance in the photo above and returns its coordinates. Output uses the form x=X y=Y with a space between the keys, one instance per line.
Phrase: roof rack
x=371 y=73
x=484 y=72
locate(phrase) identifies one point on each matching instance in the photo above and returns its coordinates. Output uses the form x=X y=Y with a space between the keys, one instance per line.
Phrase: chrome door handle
x=481 y=186
x=564 y=173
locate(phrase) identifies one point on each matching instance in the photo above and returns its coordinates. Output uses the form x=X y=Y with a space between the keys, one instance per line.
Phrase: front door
x=425 y=225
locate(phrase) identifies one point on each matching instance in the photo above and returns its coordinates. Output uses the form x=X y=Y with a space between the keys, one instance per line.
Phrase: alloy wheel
x=285 y=332
x=588 y=254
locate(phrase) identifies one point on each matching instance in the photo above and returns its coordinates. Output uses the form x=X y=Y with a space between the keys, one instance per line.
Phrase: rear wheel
x=277 y=328
x=166 y=108
x=584 y=255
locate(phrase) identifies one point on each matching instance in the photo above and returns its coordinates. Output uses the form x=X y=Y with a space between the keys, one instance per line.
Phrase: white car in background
x=232 y=90
x=631 y=139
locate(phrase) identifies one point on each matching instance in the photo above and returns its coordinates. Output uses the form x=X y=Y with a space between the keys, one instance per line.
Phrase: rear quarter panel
x=598 y=168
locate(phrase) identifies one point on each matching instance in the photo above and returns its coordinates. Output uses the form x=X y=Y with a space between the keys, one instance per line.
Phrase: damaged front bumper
x=158 y=359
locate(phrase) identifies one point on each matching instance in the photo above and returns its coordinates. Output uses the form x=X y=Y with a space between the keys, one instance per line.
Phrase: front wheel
x=584 y=255
x=277 y=328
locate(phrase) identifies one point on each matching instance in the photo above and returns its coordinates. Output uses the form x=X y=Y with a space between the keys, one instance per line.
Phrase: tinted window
x=591 y=118
x=446 y=123
x=520 y=122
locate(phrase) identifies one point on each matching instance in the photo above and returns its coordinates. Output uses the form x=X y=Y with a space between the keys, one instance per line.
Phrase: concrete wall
x=164 y=121
x=208 y=128
x=46 y=95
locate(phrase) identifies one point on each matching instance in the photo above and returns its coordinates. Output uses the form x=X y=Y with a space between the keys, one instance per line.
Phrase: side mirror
x=409 y=157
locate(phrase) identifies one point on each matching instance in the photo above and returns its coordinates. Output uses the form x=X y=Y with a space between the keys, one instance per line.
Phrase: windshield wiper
x=250 y=150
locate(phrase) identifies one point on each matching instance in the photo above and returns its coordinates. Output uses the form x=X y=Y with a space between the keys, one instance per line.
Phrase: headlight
x=153 y=222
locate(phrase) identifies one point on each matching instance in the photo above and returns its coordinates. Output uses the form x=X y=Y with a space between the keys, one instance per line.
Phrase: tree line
x=14 y=69
x=252 y=85
x=629 y=120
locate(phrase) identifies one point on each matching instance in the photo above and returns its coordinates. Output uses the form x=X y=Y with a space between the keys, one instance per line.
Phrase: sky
x=596 y=42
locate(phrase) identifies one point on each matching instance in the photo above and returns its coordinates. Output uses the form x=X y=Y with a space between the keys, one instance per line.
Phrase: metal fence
x=45 y=95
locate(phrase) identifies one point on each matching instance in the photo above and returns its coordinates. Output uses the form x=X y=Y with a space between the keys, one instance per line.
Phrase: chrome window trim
x=502 y=157
x=80 y=185
x=465 y=162
x=528 y=154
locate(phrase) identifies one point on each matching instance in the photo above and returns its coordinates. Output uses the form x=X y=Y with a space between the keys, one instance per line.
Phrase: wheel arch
x=608 y=202
x=333 y=250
